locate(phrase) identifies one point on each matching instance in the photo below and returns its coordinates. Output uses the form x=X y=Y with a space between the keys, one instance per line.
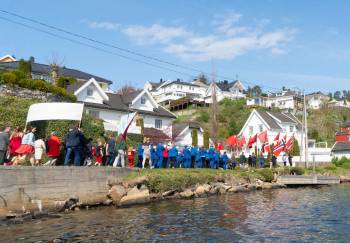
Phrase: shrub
x=266 y=174
x=297 y=170
x=343 y=162
x=331 y=167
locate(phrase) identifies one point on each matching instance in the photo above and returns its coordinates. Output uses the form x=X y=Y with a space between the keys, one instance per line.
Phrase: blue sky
x=272 y=43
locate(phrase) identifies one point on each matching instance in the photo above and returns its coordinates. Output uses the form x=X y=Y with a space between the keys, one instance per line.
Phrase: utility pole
x=214 y=108
x=306 y=144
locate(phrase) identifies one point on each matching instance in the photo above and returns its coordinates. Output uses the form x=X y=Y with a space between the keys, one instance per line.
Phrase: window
x=291 y=128
x=158 y=123
x=260 y=128
x=89 y=92
x=143 y=100
x=94 y=113
x=251 y=130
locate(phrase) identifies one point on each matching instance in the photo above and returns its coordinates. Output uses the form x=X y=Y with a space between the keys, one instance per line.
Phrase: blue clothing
x=173 y=152
x=202 y=152
x=140 y=149
x=154 y=157
x=29 y=139
x=187 y=157
x=198 y=161
x=77 y=155
x=261 y=161
x=193 y=151
x=211 y=153
x=180 y=160
x=216 y=160
x=159 y=152
x=224 y=161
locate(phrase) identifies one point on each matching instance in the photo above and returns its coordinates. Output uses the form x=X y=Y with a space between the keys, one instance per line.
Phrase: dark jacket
x=74 y=138
x=4 y=141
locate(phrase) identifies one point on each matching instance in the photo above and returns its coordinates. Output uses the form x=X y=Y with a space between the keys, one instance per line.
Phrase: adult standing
x=224 y=160
x=74 y=142
x=27 y=146
x=4 y=143
x=202 y=153
x=274 y=161
x=261 y=160
x=166 y=157
x=110 y=150
x=159 y=151
x=39 y=149
x=15 y=142
x=139 y=155
x=187 y=157
x=242 y=159
x=284 y=159
x=53 y=148
x=290 y=160
x=172 y=155
x=194 y=152
x=253 y=160
x=120 y=148
x=146 y=156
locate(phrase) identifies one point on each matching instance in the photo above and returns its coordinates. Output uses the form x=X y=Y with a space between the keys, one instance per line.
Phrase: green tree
x=25 y=67
x=296 y=148
x=206 y=139
x=330 y=95
x=194 y=137
x=337 y=95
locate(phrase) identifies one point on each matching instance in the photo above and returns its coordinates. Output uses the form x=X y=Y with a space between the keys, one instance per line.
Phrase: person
x=274 y=161
x=90 y=152
x=242 y=159
x=181 y=159
x=99 y=152
x=120 y=148
x=159 y=151
x=284 y=159
x=216 y=160
x=207 y=159
x=224 y=160
x=232 y=162
x=146 y=156
x=199 y=161
x=253 y=160
x=261 y=160
x=172 y=156
x=211 y=153
x=27 y=147
x=219 y=147
x=139 y=155
x=154 y=156
x=250 y=160
x=15 y=142
x=202 y=153
x=131 y=156
x=110 y=151
x=39 y=148
x=187 y=157
x=290 y=160
x=53 y=148
x=4 y=143
x=193 y=155
x=74 y=143
x=166 y=157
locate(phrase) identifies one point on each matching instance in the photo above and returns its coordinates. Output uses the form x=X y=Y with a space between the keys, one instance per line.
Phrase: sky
x=300 y=44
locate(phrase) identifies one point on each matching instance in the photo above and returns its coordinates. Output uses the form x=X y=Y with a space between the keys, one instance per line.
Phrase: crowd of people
x=17 y=146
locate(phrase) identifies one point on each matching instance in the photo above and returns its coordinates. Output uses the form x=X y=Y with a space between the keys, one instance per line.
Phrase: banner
x=55 y=111
x=125 y=122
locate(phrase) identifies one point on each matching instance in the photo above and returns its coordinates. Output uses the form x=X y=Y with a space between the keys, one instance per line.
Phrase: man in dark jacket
x=4 y=143
x=75 y=143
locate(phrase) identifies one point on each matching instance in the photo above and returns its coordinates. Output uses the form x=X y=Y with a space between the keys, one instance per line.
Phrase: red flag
x=252 y=140
x=232 y=140
x=263 y=137
x=278 y=148
x=127 y=127
x=266 y=147
x=284 y=139
x=277 y=137
x=290 y=144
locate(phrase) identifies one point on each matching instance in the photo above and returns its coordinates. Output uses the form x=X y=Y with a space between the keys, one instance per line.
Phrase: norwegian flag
x=277 y=137
x=278 y=148
x=266 y=147
x=289 y=144
x=284 y=139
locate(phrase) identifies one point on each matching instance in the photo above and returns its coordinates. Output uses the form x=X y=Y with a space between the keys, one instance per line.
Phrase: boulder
x=222 y=190
x=214 y=190
x=200 y=190
x=138 y=181
x=206 y=187
x=107 y=202
x=168 y=193
x=221 y=185
x=135 y=196
x=116 y=193
x=266 y=186
x=187 y=193
x=344 y=179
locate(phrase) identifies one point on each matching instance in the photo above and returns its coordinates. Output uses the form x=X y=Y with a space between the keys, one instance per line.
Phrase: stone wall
x=7 y=90
x=48 y=187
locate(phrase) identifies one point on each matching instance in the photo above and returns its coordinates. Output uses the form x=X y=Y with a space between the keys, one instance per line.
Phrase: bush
x=331 y=167
x=266 y=174
x=297 y=170
x=343 y=162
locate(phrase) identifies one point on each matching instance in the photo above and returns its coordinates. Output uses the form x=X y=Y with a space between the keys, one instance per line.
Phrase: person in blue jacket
x=211 y=153
x=198 y=161
x=224 y=160
x=202 y=153
x=216 y=160
x=194 y=152
x=207 y=159
x=187 y=157
x=173 y=153
x=180 y=159
x=140 y=155
x=154 y=157
x=159 y=151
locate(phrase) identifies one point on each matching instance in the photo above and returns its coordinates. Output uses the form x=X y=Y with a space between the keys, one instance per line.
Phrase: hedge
x=18 y=78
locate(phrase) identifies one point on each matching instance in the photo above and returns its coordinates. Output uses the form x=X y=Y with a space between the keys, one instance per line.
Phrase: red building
x=344 y=135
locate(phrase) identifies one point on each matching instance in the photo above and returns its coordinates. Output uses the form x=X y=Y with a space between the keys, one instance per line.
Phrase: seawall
x=48 y=187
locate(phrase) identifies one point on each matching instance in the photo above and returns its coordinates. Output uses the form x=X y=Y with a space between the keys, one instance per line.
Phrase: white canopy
x=55 y=111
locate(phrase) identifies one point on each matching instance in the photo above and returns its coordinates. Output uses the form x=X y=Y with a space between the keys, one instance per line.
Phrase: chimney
x=31 y=59
x=54 y=72
x=225 y=82
x=178 y=80
x=161 y=80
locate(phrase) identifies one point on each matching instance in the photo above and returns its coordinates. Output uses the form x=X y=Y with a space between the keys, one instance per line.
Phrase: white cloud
x=101 y=25
x=155 y=34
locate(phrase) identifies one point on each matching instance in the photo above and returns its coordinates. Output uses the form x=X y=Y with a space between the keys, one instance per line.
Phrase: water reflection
x=293 y=215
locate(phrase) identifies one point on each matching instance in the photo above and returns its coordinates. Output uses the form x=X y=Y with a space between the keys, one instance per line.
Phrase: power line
x=124 y=49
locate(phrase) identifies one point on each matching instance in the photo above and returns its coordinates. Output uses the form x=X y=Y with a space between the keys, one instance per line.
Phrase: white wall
x=341 y=154
x=283 y=102
x=186 y=138
x=95 y=98
x=148 y=106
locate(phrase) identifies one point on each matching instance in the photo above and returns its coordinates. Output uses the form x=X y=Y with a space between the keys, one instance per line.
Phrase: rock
x=168 y=193
x=232 y=189
x=206 y=187
x=137 y=181
x=277 y=185
x=114 y=181
x=200 y=190
x=116 y=193
x=107 y=202
x=135 y=196
x=156 y=196
x=242 y=189
x=187 y=193
x=251 y=187
x=70 y=204
x=344 y=179
x=11 y=215
x=222 y=190
x=220 y=185
x=214 y=190
x=266 y=186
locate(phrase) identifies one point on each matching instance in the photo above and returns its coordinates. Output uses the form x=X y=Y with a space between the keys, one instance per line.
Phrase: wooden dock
x=308 y=180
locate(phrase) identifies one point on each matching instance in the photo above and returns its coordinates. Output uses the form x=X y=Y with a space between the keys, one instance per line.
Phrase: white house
x=316 y=100
x=182 y=133
x=274 y=123
x=338 y=104
x=285 y=100
x=111 y=106
x=225 y=89
x=341 y=149
x=256 y=101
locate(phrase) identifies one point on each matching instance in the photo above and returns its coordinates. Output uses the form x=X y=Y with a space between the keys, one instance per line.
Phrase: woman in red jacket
x=53 y=144
x=131 y=157
x=166 y=157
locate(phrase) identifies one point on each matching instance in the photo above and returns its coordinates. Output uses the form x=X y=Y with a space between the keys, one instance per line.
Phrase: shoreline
x=137 y=188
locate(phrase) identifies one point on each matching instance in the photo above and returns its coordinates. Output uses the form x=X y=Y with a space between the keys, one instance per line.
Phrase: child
x=39 y=148
x=99 y=153
x=131 y=156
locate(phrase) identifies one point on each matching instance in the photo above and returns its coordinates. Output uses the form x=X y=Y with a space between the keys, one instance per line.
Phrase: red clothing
x=99 y=159
x=166 y=153
x=219 y=147
x=15 y=143
x=131 y=157
x=25 y=149
x=54 y=146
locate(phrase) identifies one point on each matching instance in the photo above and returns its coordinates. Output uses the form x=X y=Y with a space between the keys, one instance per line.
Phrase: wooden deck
x=308 y=180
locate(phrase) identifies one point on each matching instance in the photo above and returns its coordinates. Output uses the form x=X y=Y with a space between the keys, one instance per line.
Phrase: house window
x=143 y=100
x=158 y=123
x=251 y=130
x=261 y=128
x=291 y=128
x=94 y=113
x=90 y=92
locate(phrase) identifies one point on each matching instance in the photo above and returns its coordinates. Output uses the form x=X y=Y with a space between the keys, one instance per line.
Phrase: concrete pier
x=308 y=180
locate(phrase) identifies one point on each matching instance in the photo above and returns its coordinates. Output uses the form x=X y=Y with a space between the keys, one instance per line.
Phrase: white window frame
x=143 y=100
x=89 y=92
x=158 y=123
